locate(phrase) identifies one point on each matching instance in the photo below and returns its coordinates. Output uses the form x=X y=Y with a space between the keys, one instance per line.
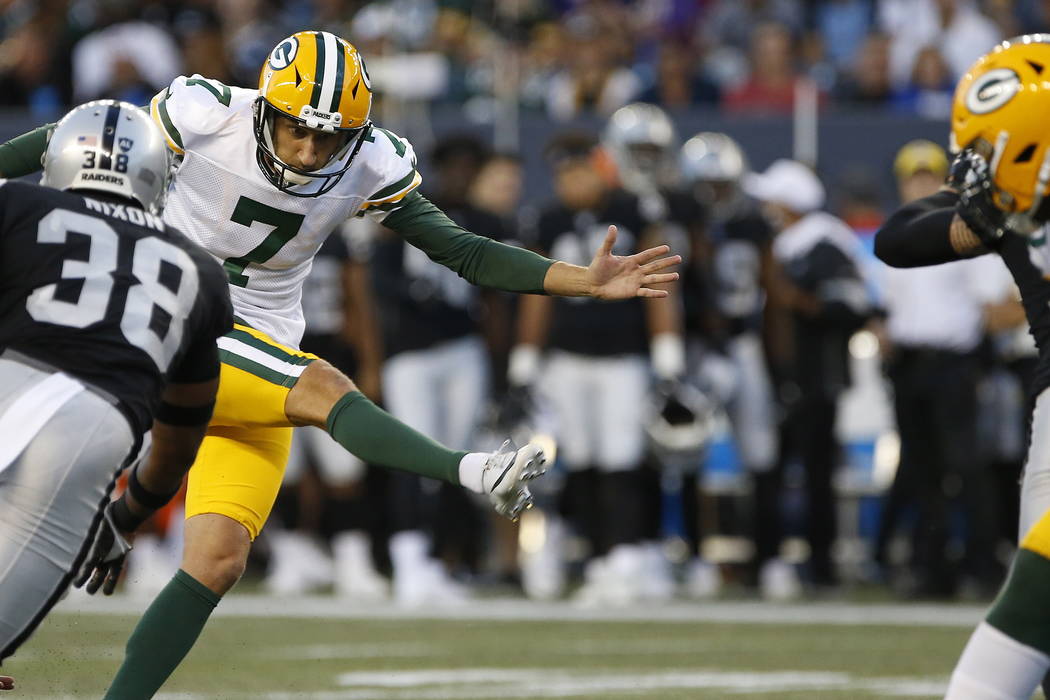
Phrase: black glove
x=970 y=177
x=106 y=558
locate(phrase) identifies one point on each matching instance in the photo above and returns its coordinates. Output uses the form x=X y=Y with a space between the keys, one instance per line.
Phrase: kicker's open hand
x=613 y=277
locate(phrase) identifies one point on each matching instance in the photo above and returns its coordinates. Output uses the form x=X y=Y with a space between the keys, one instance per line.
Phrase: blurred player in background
x=727 y=284
x=327 y=493
x=640 y=140
x=435 y=379
x=995 y=200
x=597 y=374
x=265 y=176
x=109 y=328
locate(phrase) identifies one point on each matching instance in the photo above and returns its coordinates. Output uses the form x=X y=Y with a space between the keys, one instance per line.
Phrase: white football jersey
x=266 y=239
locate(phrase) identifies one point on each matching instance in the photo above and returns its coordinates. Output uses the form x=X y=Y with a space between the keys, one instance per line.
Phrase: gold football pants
x=241 y=462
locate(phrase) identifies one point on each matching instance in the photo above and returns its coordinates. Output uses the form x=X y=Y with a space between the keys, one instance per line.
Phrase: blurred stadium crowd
x=781 y=311
x=563 y=57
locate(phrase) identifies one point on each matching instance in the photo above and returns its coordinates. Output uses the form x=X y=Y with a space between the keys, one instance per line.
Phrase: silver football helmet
x=641 y=139
x=109 y=146
x=712 y=165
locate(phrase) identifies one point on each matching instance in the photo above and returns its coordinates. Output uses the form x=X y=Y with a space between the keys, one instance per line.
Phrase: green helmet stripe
x=340 y=67
x=315 y=96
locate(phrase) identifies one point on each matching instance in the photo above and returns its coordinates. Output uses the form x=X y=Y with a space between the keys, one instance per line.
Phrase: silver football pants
x=61 y=447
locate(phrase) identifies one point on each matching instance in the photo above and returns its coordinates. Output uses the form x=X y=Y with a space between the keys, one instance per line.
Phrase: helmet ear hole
x=1026 y=154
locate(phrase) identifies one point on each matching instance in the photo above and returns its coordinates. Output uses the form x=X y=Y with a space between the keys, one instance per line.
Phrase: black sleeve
x=918 y=233
x=200 y=362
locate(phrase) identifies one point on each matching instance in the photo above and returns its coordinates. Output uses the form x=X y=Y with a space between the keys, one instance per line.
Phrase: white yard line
x=332 y=608
x=469 y=684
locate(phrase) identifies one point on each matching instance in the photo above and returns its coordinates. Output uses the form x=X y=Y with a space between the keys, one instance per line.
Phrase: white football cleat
x=506 y=474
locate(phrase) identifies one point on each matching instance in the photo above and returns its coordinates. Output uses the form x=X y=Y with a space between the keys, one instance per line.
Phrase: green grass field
x=322 y=648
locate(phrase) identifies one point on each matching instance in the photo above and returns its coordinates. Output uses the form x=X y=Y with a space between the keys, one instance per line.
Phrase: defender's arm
x=927 y=231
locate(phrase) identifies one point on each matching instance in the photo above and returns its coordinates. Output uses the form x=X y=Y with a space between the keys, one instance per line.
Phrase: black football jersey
x=738 y=246
x=1028 y=260
x=324 y=302
x=580 y=324
x=422 y=303
x=323 y=288
x=108 y=294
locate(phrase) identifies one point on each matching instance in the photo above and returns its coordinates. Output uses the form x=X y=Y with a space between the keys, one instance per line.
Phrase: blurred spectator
x=731 y=23
x=593 y=82
x=678 y=84
x=867 y=83
x=403 y=24
x=541 y=61
x=823 y=291
x=842 y=26
x=1032 y=15
x=929 y=94
x=770 y=88
x=936 y=320
x=1006 y=14
x=28 y=58
x=961 y=32
x=253 y=27
x=125 y=58
x=202 y=43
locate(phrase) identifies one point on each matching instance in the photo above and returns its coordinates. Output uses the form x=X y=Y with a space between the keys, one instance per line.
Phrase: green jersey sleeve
x=24 y=155
x=477 y=259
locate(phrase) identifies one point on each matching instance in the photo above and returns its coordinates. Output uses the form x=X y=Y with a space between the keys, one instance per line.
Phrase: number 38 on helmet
x=1000 y=110
x=319 y=81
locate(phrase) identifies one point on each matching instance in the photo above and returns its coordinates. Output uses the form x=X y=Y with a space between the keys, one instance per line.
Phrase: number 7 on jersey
x=285 y=227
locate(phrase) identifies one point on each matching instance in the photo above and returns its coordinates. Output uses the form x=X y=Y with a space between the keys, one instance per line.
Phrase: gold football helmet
x=318 y=80
x=1000 y=110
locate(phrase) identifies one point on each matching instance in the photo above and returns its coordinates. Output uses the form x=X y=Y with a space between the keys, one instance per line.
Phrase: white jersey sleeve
x=392 y=162
x=191 y=108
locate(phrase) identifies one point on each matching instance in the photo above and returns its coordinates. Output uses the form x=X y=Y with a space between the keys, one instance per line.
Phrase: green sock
x=163 y=637
x=374 y=436
x=1022 y=610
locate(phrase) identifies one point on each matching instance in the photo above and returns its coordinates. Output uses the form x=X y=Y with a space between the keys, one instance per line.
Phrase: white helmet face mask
x=641 y=140
x=286 y=177
x=109 y=146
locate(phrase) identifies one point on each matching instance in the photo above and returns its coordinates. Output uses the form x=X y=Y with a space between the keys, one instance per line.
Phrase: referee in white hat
x=825 y=299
